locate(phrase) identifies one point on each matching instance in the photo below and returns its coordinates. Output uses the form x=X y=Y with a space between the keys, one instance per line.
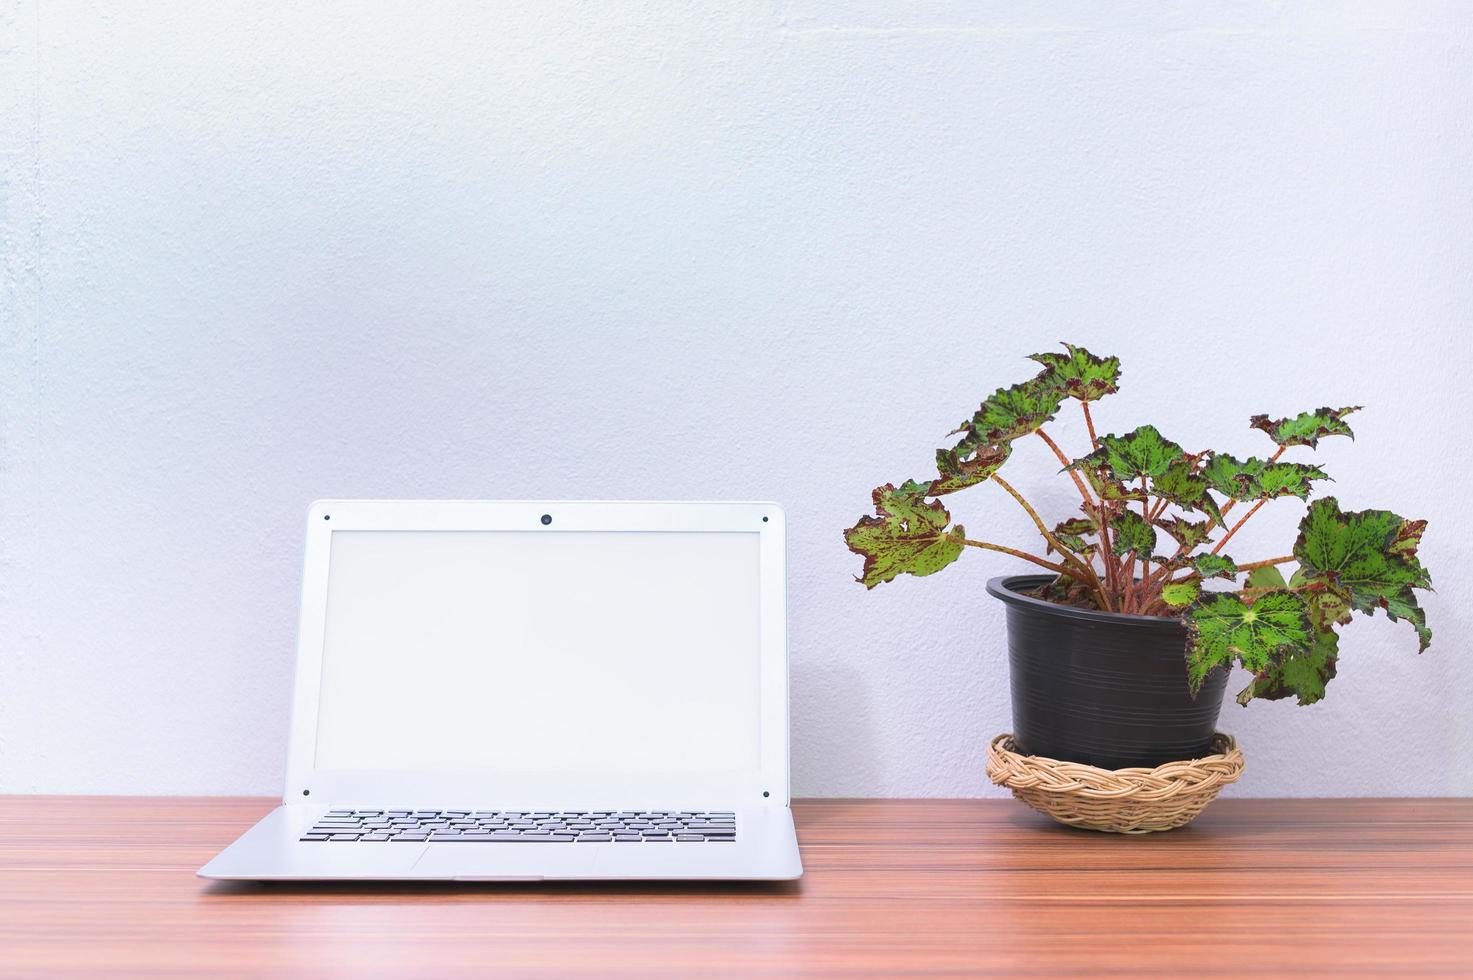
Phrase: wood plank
x=894 y=887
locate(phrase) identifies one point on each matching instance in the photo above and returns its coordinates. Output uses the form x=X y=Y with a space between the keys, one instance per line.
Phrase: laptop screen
x=546 y=652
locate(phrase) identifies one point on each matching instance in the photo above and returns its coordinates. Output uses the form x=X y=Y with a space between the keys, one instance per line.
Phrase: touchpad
x=492 y=860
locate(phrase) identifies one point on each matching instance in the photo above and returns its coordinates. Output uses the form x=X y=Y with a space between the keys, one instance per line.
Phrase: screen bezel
x=765 y=785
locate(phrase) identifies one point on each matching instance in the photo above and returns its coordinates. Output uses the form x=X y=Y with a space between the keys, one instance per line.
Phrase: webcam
x=546 y=518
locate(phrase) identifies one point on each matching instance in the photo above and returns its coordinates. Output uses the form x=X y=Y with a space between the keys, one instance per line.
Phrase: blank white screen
x=541 y=652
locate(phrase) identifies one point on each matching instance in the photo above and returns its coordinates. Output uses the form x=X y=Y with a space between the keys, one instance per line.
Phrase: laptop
x=525 y=690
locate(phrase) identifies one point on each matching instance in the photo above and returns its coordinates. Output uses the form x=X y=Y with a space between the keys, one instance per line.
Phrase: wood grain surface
x=106 y=886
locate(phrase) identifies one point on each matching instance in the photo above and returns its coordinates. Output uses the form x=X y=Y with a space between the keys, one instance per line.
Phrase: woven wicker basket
x=1121 y=801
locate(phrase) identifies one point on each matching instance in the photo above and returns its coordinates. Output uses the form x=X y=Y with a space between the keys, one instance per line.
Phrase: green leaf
x=1408 y=539
x=1307 y=428
x=1188 y=534
x=1181 y=593
x=1105 y=486
x=1286 y=480
x=1011 y=413
x=1268 y=577
x=908 y=534
x=1184 y=486
x=956 y=473
x=1008 y=414
x=1071 y=535
x=1255 y=479
x=1368 y=557
x=1222 y=629
x=1227 y=474
x=1132 y=533
x=1081 y=374
x=1303 y=675
x=1215 y=566
x=1143 y=452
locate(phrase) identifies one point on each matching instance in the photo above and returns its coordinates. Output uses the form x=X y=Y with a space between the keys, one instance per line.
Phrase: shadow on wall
x=833 y=733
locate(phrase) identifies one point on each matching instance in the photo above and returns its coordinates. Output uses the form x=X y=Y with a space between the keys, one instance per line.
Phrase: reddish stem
x=1234 y=529
x=1066 y=463
x=1062 y=570
x=1090 y=424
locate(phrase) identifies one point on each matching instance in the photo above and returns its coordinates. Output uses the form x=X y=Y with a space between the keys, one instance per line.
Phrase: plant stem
x=1127 y=587
x=1037 y=521
x=1091 y=505
x=1090 y=424
x=1155 y=604
x=1266 y=563
x=1062 y=570
x=1093 y=580
x=1241 y=521
x=1066 y=463
x=1107 y=553
x=1145 y=516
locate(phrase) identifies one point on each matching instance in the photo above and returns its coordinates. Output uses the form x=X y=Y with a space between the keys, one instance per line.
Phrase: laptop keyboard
x=519 y=826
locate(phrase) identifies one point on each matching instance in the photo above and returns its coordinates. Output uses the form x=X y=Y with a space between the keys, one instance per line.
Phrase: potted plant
x=1119 y=654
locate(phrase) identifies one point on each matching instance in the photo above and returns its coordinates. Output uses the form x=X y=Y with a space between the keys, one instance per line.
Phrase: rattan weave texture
x=1121 y=801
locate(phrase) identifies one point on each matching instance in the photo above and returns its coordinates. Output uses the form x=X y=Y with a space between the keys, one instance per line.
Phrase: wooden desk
x=103 y=885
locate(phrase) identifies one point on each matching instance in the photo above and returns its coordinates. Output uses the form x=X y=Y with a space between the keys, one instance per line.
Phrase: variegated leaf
x=1081 y=374
x=1307 y=428
x=907 y=535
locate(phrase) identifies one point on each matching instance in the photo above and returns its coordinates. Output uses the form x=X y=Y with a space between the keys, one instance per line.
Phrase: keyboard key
x=464 y=837
x=593 y=826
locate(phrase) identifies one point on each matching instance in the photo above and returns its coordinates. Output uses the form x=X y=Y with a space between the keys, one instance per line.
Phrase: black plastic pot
x=1106 y=689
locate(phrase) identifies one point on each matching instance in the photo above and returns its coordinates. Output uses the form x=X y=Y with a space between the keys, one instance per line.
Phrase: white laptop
x=522 y=690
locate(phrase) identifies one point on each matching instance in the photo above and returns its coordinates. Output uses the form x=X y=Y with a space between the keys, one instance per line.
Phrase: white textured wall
x=259 y=253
